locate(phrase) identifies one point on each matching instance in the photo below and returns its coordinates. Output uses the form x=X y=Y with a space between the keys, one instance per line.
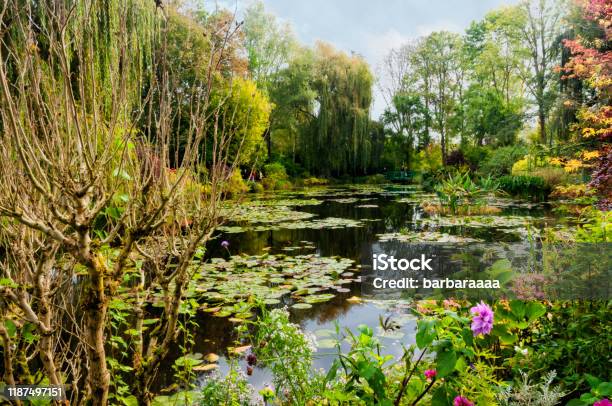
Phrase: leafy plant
x=525 y=392
x=525 y=186
x=287 y=352
x=230 y=390
x=600 y=390
x=459 y=190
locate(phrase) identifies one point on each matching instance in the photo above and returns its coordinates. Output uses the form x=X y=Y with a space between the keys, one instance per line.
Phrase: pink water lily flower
x=430 y=374
x=603 y=402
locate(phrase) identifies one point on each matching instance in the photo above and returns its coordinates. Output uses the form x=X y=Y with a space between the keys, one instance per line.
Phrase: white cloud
x=377 y=45
x=426 y=29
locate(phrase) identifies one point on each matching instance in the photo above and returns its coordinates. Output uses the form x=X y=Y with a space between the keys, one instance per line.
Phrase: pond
x=306 y=250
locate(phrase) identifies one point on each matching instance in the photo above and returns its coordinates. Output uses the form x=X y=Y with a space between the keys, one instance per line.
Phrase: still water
x=381 y=212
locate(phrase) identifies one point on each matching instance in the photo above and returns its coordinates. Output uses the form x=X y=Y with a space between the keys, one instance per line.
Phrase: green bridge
x=400 y=176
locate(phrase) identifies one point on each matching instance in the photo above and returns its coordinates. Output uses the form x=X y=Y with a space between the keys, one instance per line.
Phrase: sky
x=372 y=28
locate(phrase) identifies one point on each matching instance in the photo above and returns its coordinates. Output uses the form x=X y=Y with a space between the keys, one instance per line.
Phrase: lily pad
x=301 y=306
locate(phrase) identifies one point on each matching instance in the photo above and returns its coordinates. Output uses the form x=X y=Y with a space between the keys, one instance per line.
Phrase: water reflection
x=390 y=215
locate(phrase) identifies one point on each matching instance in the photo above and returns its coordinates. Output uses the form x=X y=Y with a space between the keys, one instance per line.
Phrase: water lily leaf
x=301 y=306
x=211 y=357
x=324 y=332
x=206 y=367
x=239 y=350
x=319 y=298
x=327 y=343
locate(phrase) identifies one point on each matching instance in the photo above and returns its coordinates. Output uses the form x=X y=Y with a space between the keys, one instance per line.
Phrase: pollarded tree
x=87 y=197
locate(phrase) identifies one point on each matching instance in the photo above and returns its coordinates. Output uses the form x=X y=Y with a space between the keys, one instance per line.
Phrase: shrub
x=574 y=341
x=235 y=185
x=501 y=160
x=525 y=186
x=475 y=156
x=461 y=191
x=287 y=352
x=552 y=176
x=530 y=393
x=255 y=187
x=314 y=181
x=275 y=177
x=375 y=179
x=275 y=170
x=455 y=158
x=429 y=159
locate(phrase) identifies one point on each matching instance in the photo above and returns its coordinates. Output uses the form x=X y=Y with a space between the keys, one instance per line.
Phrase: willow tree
x=89 y=197
x=337 y=140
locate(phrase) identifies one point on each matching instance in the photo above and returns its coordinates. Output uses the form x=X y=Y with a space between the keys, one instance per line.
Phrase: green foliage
x=460 y=190
x=524 y=186
x=244 y=113
x=275 y=177
x=287 y=351
x=473 y=365
x=323 y=98
x=231 y=390
x=597 y=227
x=600 y=389
x=500 y=160
x=574 y=341
x=235 y=185
x=429 y=159
x=490 y=118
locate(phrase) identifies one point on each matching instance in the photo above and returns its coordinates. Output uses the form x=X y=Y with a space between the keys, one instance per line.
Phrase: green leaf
x=518 y=308
x=11 y=328
x=426 y=332
x=331 y=374
x=592 y=380
x=604 y=389
x=440 y=397
x=8 y=282
x=575 y=402
x=445 y=362
x=121 y=174
x=365 y=329
x=535 y=310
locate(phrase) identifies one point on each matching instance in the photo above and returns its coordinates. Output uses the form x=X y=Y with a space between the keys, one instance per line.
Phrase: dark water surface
x=390 y=215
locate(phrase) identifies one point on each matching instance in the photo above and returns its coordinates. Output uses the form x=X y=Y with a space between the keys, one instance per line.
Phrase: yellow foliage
x=573 y=165
x=588 y=155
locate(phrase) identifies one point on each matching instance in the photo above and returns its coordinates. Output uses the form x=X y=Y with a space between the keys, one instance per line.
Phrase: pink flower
x=603 y=402
x=461 y=401
x=482 y=322
x=430 y=374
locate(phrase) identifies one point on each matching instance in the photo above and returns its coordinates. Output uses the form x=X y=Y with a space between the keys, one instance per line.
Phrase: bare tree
x=72 y=155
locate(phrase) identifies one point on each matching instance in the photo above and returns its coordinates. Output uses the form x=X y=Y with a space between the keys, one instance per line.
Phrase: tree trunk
x=96 y=306
x=268 y=137
x=542 y=122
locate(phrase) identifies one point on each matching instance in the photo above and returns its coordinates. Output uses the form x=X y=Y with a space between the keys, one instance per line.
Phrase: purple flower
x=461 y=401
x=430 y=374
x=603 y=402
x=482 y=322
x=225 y=244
